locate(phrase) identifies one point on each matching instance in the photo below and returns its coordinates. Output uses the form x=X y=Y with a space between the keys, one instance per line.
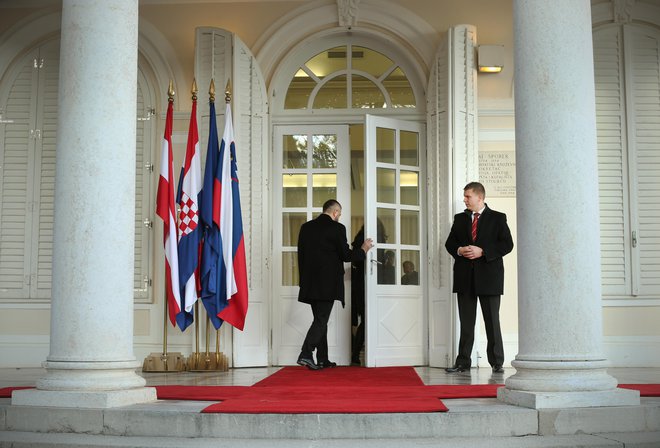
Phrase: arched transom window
x=349 y=77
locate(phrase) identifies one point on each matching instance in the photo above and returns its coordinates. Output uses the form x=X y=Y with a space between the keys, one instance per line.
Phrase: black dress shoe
x=309 y=363
x=456 y=368
x=327 y=364
x=498 y=369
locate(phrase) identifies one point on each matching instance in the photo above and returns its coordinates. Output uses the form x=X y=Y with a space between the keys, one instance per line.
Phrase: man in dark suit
x=322 y=251
x=478 y=240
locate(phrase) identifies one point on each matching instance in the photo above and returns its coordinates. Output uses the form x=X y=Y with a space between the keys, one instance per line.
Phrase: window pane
x=409 y=183
x=294 y=190
x=328 y=62
x=385 y=145
x=370 y=61
x=409 y=148
x=386 y=185
x=291 y=223
x=386 y=225
x=398 y=87
x=295 y=151
x=386 y=267
x=324 y=187
x=324 y=153
x=332 y=95
x=410 y=267
x=366 y=95
x=299 y=91
x=409 y=227
x=289 y=268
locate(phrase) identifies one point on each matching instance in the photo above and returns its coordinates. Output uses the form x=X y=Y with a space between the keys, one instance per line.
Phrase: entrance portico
x=587 y=336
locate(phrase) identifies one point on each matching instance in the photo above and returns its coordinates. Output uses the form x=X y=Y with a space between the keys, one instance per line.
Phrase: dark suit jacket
x=494 y=237
x=322 y=251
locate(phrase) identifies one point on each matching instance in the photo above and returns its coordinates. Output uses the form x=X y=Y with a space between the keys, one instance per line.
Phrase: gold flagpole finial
x=212 y=92
x=228 y=92
x=194 y=90
x=170 y=91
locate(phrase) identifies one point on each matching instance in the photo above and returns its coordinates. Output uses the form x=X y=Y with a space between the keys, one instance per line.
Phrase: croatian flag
x=189 y=229
x=166 y=209
x=232 y=270
x=210 y=291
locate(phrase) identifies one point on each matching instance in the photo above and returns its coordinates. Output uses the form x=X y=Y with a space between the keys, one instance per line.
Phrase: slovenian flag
x=232 y=270
x=166 y=210
x=211 y=247
x=189 y=229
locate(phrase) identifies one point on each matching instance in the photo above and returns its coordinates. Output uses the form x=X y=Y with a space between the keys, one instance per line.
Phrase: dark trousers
x=317 y=335
x=467 y=312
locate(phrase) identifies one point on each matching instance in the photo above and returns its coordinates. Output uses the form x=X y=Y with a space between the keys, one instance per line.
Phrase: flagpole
x=207 y=362
x=165 y=362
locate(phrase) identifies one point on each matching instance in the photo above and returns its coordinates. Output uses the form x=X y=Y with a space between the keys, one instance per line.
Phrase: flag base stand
x=164 y=362
x=205 y=362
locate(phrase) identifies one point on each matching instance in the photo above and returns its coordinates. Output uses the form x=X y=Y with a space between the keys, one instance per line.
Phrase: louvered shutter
x=612 y=156
x=144 y=208
x=16 y=165
x=221 y=55
x=251 y=126
x=452 y=147
x=643 y=51
x=44 y=172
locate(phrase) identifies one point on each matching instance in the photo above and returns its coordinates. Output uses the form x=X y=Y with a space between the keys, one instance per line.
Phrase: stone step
x=611 y=440
x=475 y=419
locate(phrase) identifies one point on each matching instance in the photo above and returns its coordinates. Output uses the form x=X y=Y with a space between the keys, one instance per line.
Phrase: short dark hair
x=477 y=188
x=330 y=203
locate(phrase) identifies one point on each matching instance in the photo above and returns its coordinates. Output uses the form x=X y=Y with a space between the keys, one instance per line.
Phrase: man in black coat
x=322 y=251
x=478 y=240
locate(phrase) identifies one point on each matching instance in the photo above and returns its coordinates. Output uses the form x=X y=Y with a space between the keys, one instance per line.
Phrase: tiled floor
x=249 y=376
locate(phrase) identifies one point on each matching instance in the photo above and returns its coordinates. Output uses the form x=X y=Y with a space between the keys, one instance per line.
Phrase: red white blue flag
x=189 y=229
x=211 y=247
x=166 y=210
x=232 y=270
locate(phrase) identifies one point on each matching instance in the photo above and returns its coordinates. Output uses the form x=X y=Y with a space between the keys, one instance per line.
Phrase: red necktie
x=474 y=226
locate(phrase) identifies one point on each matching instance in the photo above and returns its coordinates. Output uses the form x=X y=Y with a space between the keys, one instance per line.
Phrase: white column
x=560 y=361
x=91 y=361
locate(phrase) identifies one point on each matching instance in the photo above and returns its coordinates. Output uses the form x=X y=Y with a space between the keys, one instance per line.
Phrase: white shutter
x=212 y=61
x=251 y=126
x=452 y=162
x=16 y=164
x=643 y=50
x=221 y=55
x=44 y=169
x=463 y=103
x=612 y=156
x=144 y=206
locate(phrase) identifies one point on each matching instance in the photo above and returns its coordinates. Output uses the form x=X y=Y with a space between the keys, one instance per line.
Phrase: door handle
x=371 y=266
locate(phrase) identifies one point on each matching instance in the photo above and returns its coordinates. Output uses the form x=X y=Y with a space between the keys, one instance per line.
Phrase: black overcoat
x=494 y=237
x=322 y=251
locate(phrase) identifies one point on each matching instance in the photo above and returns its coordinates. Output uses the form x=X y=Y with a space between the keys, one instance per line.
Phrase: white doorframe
x=291 y=319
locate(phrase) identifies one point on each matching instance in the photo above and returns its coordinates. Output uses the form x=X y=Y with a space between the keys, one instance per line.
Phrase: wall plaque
x=497 y=171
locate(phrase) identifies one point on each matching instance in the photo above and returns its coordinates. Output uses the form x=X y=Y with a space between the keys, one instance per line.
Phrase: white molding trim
x=320 y=17
x=644 y=11
x=630 y=301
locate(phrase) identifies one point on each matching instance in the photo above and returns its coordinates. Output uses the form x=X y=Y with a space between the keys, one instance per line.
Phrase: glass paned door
x=311 y=165
x=396 y=329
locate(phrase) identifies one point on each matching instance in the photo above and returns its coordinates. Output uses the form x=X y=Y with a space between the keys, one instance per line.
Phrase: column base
x=83 y=399
x=581 y=399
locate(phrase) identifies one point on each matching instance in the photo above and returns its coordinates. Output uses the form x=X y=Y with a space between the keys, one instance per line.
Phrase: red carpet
x=343 y=376
x=342 y=390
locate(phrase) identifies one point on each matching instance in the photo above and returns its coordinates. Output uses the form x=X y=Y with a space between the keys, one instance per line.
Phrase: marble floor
x=248 y=376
